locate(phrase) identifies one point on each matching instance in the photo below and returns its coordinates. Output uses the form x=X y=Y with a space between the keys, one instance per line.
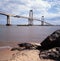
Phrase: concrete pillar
x=30 y=21
x=42 y=23
x=8 y=21
x=42 y=20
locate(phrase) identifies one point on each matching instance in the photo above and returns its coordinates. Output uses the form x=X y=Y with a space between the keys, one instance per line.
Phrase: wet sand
x=5 y=50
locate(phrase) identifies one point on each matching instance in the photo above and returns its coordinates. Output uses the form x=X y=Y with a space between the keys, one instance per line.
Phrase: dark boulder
x=51 y=41
x=26 y=45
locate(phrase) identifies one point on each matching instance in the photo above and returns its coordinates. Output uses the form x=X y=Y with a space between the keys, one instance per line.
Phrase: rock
x=53 y=53
x=51 y=41
x=26 y=45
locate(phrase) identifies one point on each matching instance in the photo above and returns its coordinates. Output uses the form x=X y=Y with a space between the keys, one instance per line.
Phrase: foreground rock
x=24 y=46
x=53 y=53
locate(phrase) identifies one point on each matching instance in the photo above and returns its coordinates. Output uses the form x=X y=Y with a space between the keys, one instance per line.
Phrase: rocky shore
x=35 y=55
x=32 y=54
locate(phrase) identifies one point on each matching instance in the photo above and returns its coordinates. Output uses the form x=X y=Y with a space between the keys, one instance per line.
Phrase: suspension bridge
x=30 y=18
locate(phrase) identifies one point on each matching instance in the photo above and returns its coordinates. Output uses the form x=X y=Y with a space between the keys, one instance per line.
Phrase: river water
x=26 y=33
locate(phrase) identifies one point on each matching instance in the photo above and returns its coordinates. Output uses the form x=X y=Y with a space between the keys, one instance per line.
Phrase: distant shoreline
x=29 y=25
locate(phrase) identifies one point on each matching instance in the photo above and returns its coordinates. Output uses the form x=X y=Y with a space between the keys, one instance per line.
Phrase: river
x=26 y=33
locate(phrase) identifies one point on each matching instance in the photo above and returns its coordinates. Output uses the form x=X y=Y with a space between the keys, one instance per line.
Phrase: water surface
x=26 y=33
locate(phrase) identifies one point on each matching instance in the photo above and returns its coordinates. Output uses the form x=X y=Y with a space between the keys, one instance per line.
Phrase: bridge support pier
x=30 y=22
x=8 y=21
x=42 y=23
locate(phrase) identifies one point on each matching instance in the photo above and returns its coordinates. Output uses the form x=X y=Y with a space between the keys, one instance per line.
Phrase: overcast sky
x=50 y=9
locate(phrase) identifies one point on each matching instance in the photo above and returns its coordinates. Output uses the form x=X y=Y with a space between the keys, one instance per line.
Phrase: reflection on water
x=26 y=33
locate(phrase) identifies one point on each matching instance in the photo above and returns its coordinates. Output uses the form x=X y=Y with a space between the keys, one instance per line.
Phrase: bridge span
x=30 y=18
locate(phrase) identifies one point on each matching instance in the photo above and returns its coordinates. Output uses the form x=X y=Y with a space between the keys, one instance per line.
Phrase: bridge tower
x=42 y=20
x=8 y=21
x=30 y=20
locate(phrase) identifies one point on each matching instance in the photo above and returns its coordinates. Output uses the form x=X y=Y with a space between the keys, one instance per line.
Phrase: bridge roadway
x=18 y=16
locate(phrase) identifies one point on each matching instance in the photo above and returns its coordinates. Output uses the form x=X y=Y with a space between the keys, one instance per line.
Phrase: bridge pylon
x=30 y=20
x=42 y=20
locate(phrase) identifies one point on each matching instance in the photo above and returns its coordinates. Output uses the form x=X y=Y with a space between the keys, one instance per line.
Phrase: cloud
x=50 y=9
x=11 y=5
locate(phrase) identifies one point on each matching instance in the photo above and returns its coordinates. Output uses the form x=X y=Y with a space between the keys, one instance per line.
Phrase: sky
x=50 y=9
